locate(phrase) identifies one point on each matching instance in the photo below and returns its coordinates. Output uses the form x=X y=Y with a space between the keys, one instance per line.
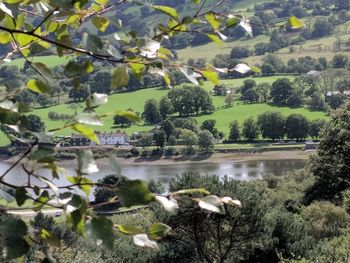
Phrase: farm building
x=105 y=138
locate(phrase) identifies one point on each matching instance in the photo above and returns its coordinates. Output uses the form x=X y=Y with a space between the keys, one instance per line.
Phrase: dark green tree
x=340 y=61
x=272 y=125
x=151 y=113
x=297 y=126
x=205 y=141
x=250 y=129
x=210 y=126
x=34 y=123
x=331 y=164
x=281 y=91
x=165 y=107
x=168 y=127
x=315 y=127
x=322 y=27
x=159 y=138
x=234 y=133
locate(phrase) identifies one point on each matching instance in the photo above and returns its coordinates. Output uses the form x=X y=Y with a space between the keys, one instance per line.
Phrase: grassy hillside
x=135 y=100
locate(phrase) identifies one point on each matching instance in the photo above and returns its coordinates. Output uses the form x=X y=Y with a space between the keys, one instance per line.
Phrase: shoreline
x=207 y=158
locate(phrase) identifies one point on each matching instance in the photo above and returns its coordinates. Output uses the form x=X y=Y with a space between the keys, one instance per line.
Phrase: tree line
x=273 y=125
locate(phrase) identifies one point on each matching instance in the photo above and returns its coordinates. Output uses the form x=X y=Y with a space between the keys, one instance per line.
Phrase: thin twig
x=19 y=160
x=45 y=19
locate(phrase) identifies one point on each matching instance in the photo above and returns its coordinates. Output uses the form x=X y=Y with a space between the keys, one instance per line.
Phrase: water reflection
x=245 y=170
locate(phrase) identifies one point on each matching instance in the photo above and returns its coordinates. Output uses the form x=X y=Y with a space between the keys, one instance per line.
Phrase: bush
x=325 y=219
x=157 y=152
x=144 y=154
x=169 y=151
x=134 y=151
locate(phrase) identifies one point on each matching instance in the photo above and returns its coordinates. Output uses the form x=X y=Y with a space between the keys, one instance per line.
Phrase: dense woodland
x=301 y=217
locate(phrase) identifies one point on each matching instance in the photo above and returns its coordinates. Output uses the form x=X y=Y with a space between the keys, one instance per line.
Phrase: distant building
x=105 y=138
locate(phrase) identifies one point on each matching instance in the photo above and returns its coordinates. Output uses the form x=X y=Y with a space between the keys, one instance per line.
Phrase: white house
x=113 y=138
x=105 y=138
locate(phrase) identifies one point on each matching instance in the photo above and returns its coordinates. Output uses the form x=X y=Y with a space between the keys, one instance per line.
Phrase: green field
x=50 y=61
x=135 y=100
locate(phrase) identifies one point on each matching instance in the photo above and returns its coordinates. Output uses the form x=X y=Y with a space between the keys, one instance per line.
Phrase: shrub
x=134 y=151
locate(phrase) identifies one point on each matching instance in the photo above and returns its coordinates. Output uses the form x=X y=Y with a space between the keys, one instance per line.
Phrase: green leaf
x=86 y=162
x=167 y=10
x=76 y=211
x=100 y=229
x=8 y=105
x=295 y=23
x=21 y=195
x=50 y=238
x=213 y=21
x=74 y=69
x=5 y=38
x=6 y=10
x=13 y=1
x=191 y=75
x=88 y=118
x=85 y=184
x=215 y=38
x=129 y=229
x=210 y=202
x=87 y=132
x=169 y=205
x=134 y=192
x=158 y=231
x=138 y=69
x=120 y=77
x=92 y=43
x=142 y=240
x=211 y=75
x=229 y=201
x=41 y=201
x=114 y=52
x=100 y=22
x=38 y=86
x=255 y=69
x=192 y=191
x=96 y=100
x=167 y=79
x=130 y=115
x=13 y=232
x=231 y=22
x=43 y=69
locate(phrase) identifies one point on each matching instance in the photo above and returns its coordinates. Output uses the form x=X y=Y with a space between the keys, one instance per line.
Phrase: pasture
x=136 y=99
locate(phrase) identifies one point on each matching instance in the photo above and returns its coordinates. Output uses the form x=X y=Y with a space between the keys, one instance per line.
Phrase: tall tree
x=315 y=127
x=206 y=141
x=331 y=164
x=234 y=134
x=165 y=107
x=151 y=113
x=272 y=125
x=297 y=126
x=281 y=91
x=250 y=129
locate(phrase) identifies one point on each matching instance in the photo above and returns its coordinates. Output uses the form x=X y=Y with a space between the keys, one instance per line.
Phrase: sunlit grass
x=136 y=99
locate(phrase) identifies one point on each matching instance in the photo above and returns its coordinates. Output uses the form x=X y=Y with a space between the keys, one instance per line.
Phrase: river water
x=243 y=170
